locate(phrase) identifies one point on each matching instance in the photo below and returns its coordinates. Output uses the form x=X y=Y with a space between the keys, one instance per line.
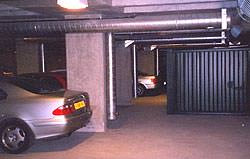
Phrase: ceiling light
x=73 y=4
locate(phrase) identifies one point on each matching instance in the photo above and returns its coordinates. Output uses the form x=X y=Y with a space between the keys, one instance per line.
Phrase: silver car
x=30 y=110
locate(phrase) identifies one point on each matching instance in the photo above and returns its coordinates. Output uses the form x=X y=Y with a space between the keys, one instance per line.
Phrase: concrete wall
x=55 y=55
x=85 y=56
x=146 y=62
x=7 y=55
x=124 y=81
x=27 y=56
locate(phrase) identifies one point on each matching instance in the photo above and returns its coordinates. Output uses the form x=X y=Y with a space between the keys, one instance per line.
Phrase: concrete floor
x=145 y=131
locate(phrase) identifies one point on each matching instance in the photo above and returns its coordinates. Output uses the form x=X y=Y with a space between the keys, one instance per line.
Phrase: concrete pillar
x=124 y=80
x=86 y=71
x=27 y=56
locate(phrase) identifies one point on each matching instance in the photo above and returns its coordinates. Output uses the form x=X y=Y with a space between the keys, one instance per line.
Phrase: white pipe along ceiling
x=130 y=16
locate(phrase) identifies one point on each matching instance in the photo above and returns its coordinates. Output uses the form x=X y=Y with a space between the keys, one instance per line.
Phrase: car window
x=50 y=84
x=40 y=85
x=3 y=94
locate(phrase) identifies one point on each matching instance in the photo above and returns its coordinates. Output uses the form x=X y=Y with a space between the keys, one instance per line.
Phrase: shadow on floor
x=61 y=144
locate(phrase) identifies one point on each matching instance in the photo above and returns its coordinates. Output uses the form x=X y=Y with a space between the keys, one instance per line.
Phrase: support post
x=112 y=106
x=43 y=57
x=134 y=71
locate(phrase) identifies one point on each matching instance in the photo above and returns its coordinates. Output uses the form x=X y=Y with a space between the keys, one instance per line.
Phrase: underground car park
x=168 y=25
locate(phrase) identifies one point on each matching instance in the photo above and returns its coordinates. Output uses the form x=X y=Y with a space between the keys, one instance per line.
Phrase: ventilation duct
x=241 y=22
x=168 y=22
x=244 y=9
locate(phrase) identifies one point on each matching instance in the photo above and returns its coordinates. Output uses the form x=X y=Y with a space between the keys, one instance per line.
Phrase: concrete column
x=124 y=80
x=27 y=56
x=86 y=71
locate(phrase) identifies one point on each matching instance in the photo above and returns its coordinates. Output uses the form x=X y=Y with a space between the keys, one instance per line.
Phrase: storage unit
x=208 y=81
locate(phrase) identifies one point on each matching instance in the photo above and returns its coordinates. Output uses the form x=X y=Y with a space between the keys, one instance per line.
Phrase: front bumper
x=150 y=86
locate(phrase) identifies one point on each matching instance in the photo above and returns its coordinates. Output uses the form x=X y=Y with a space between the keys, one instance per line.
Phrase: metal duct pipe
x=180 y=39
x=192 y=45
x=244 y=9
x=240 y=21
x=199 y=31
x=168 y=34
x=150 y=23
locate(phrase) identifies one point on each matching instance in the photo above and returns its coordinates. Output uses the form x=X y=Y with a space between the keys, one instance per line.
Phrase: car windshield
x=36 y=86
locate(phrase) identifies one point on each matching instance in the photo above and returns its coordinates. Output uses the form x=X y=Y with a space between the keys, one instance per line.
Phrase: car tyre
x=140 y=90
x=16 y=137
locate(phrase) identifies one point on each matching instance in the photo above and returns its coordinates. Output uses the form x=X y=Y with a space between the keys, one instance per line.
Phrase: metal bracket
x=128 y=42
x=152 y=47
x=223 y=25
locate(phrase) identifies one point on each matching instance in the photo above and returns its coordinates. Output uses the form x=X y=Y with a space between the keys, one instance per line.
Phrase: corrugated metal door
x=210 y=81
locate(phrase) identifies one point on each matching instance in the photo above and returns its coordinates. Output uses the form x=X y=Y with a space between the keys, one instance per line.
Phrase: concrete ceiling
x=11 y=10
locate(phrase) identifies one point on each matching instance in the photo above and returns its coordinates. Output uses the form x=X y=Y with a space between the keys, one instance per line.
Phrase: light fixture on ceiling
x=73 y=4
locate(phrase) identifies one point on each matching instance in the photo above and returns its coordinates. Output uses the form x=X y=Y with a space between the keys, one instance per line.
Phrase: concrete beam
x=180 y=7
x=100 y=2
x=48 y=3
x=125 y=3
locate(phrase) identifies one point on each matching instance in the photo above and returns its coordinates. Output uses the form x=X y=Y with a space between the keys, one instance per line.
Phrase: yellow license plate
x=79 y=105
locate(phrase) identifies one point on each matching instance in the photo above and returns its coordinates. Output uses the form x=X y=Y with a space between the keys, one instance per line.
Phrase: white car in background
x=146 y=82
